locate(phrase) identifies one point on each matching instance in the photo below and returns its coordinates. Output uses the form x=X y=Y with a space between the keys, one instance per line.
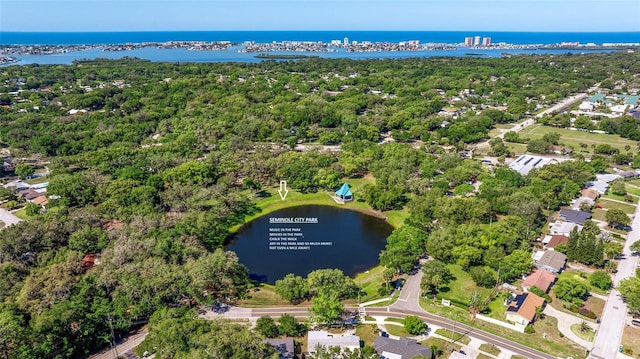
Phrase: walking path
x=565 y=321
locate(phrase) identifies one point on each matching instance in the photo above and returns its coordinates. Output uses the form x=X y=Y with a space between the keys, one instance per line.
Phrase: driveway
x=565 y=321
x=8 y=218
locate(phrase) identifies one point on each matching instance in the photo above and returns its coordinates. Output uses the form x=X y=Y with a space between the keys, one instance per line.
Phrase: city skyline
x=312 y=15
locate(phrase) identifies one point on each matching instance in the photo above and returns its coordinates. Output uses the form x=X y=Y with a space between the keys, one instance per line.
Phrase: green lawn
x=626 y=208
x=462 y=288
x=574 y=138
x=620 y=198
x=587 y=335
x=369 y=282
x=367 y=333
x=22 y=214
x=516 y=148
x=552 y=343
x=599 y=214
x=490 y=348
x=457 y=337
x=442 y=345
x=397 y=330
x=263 y=296
x=630 y=340
x=633 y=190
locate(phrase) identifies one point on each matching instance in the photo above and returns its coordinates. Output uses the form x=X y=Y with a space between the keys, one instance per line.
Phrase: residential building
x=539 y=278
x=468 y=41
x=577 y=203
x=284 y=346
x=553 y=240
x=522 y=309
x=564 y=228
x=589 y=193
x=525 y=163
x=403 y=348
x=476 y=41
x=573 y=216
x=323 y=338
x=486 y=41
x=552 y=261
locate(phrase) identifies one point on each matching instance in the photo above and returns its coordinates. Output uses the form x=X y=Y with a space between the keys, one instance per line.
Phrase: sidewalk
x=565 y=321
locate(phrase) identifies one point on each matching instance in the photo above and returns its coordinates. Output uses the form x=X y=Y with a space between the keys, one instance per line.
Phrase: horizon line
x=338 y=30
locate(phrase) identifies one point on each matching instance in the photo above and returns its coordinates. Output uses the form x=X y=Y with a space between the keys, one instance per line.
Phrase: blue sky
x=444 y=15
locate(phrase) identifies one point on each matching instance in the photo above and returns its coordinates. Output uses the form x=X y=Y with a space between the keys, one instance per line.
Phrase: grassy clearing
x=575 y=138
x=517 y=357
x=490 y=348
x=442 y=345
x=587 y=335
x=463 y=286
x=264 y=296
x=22 y=214
x=599 y=214
x=552 y=343
x=633 y=190
x=497 y=308
x=630 y=340
x=516 y=148
x=369 y=282
x=483 y=356
x=367 y=333
x=620 y=198
x=457 y=337
x=626 y=208
x=595 y=305
x=398 y=330
x=634 y=182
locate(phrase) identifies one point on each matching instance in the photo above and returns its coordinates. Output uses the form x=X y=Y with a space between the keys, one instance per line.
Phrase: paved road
x=613 y=318
x=124 y=347
x=8 y=218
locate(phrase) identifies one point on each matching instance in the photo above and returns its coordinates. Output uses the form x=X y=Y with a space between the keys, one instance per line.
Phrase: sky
x=218 y=15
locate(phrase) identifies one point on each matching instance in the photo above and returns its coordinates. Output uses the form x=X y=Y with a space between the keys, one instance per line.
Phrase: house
x=41 y=201
x=598 y=186
x=29 y=194
x=589 y=193
x=525 y=163
x=284 y=347
x=540 y=279
x=577 y=203
x=551 y=241
x=573 y=216
x=629 y=174
x=344 y=193
x=564 y=228
x=403 y=348
x=323 y=338
x=522 y=309
x=552 y=261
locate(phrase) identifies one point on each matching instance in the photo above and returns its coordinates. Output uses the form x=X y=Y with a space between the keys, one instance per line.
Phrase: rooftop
x=525 y=305
x=539 y=278
x=403 y=348
x=552 y=259
x=574 y=216
x=525 y=163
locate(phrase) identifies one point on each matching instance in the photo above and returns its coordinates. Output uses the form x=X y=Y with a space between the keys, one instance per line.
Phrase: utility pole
x=113 y=337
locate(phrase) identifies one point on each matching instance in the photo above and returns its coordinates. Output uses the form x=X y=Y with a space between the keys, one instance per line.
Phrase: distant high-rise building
x=468 y=41
x=346 y=41
x=476 y=41
x=486 y=41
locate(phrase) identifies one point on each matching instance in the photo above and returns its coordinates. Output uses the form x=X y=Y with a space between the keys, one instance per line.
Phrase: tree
x=218 y=275
x=616 y=217
x=570 y=290
x=292 y=288
x=414 y=325
x=435 y=275
x=32 y=209
x=613 y=249
x=515 y=264
x=388 y=275
x=618 y=188
x=483 y=276
x=600 y=279
x=24 y=170
x=635 y=246
x=289 y=326
x=331 y=281
x=266 y=326
x=630 y=290
x=326 y=308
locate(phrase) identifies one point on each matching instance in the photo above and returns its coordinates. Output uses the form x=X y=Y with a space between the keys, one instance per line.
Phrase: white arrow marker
x=283 y=188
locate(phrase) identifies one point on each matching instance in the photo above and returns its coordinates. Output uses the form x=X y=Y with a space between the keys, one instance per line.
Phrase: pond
x=302 y=239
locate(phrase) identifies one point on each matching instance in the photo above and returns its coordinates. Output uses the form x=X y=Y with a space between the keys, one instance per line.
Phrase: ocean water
x=232 y=54
x=68 y=38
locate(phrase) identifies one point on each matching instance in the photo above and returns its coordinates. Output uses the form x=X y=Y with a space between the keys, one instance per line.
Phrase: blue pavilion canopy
x=344 y=191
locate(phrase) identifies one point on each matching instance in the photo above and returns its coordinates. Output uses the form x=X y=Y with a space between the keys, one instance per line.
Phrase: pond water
x=302 y=239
